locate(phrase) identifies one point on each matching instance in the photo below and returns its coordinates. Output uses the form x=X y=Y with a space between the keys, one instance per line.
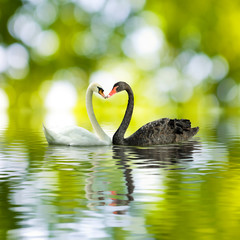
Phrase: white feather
x=77 y=136
x=73 y=136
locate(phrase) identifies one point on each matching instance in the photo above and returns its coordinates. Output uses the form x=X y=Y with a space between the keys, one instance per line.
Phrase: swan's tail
x=50 y=136
x=183 y=129
x=194 y=131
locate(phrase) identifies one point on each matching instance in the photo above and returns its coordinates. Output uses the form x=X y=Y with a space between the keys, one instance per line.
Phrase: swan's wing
x=163 y=131
x=74 y=136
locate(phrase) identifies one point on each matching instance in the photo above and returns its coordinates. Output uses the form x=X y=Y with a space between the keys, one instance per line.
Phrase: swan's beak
x=114 y=91
x=101 y=92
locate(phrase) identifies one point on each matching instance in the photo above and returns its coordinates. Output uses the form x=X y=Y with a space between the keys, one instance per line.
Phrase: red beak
x=114 y=91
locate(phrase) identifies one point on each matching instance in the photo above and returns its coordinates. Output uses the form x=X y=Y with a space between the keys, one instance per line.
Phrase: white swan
x=78 y=136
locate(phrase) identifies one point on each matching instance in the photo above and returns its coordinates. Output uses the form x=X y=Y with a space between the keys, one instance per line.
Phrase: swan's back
x=162 y=131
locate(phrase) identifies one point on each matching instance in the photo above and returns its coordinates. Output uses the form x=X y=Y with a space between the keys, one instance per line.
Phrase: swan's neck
x=99 y=131
x=118 y=137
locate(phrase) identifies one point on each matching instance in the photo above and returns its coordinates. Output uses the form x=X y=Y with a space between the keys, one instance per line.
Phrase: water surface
x=179 y=191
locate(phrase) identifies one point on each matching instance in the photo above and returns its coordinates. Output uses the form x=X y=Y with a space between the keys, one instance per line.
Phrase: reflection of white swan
x=77 y=136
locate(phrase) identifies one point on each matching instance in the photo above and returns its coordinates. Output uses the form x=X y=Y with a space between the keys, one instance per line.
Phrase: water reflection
x=157 y=156
x=108 y=179
x=129 y=158
x=51 y=192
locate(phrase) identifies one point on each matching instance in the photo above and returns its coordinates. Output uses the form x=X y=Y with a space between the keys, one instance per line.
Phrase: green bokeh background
x=180 y=57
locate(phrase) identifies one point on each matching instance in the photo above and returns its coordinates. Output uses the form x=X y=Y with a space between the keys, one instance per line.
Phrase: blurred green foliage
x=173 y=53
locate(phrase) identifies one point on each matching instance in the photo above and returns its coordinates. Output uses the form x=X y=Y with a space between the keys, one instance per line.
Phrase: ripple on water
x=158 y=192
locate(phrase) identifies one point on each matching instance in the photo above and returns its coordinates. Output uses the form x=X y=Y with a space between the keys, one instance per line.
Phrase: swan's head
x=118 y=87
x=97 y=88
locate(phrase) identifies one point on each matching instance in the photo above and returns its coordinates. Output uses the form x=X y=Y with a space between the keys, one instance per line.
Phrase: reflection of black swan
x=157 y=156
x=161 y=131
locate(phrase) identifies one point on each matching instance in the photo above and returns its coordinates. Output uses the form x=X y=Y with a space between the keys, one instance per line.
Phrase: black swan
x=161 y=131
